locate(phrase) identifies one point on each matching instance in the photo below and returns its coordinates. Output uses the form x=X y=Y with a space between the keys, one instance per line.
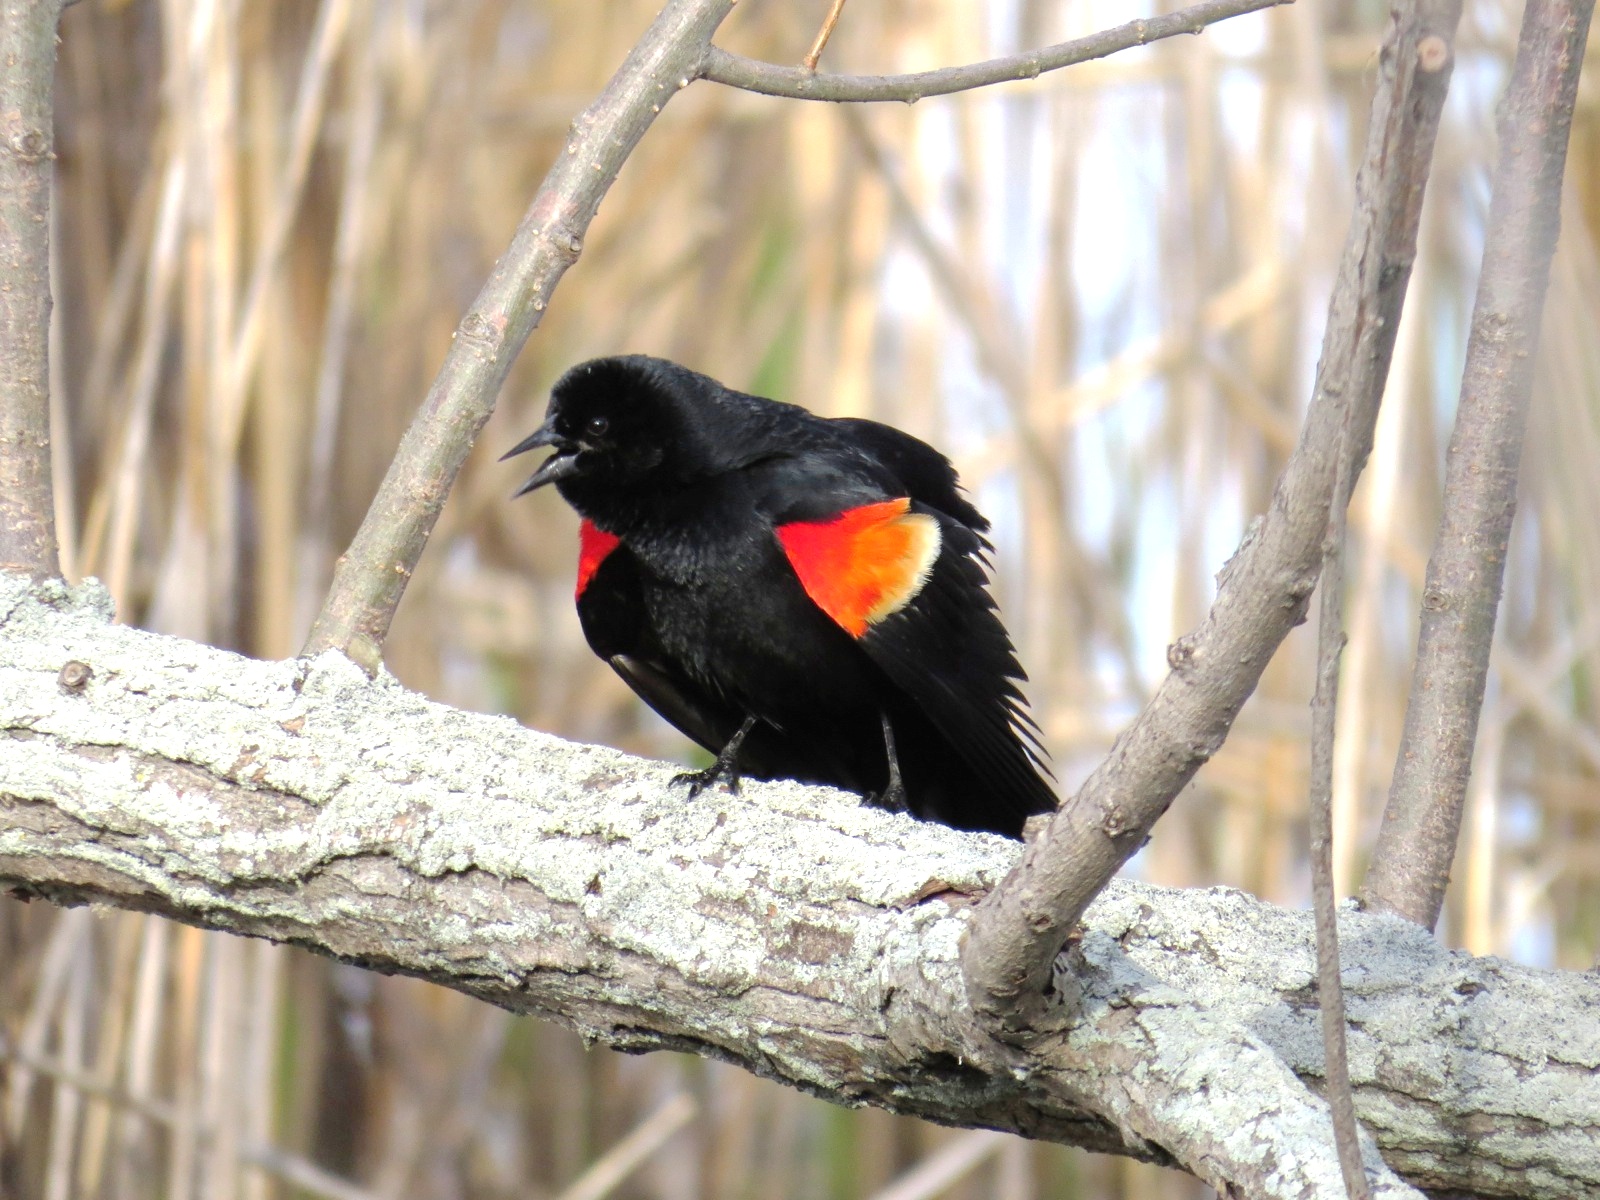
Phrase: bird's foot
x=725 y=770
x=891 y=799
x=717 y=772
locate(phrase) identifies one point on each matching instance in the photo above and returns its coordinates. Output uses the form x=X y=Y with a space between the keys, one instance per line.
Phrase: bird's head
x=629 y=424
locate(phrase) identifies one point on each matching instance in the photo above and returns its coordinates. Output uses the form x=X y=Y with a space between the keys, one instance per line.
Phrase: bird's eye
x=597 y=426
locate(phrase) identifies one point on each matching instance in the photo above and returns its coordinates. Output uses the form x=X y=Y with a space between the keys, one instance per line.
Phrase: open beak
x=562 y=463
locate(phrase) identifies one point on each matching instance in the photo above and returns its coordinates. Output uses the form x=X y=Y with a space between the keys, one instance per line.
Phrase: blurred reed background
x=1102 y=292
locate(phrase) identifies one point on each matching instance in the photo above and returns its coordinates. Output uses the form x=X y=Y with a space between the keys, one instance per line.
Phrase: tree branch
x=1263 y=590
x=789 y=930
x=799 y=83
x=1324 y=708
x=371 y=576
x=1461 y=593
x=820 y=42
x=27 y=161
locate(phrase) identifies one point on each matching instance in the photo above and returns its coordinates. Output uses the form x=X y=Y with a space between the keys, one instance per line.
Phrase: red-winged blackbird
x=806 y=598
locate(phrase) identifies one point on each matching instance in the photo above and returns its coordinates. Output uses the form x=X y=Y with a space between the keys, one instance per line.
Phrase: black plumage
x=806 y=598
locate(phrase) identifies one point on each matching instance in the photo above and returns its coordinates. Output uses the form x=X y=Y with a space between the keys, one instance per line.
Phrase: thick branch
x=789 y=930
x=27 y=159
x=1422 y=821
x=800 y=83
x=371 y=576
x=1263 y=590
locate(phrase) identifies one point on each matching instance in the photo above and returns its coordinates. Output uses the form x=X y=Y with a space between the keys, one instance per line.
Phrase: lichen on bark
x=788 y=929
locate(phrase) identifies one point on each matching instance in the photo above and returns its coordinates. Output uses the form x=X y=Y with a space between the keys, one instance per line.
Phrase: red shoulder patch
x=864 y=564
x=593 y=546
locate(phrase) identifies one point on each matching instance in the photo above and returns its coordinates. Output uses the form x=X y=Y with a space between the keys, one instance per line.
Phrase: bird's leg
x=725 y=770
x=893 y=797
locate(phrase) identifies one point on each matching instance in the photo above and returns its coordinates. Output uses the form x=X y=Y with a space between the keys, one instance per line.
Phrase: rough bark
x=27 y=160
x=789 y=930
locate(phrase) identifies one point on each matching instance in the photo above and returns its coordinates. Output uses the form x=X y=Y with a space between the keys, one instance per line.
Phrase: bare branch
x=1324 y=706
x=820 y=42
x=789 y=930
x=1417 y=842
x=1263 y=591
x=371 y=576
x=27 y=161
x=799 y=83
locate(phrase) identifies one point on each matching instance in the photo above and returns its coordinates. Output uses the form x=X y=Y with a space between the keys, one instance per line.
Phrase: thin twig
x=803 y=83
x=1263 y=591
x=1417 y=842
x=1324 y=707
x=809 y=62
x=371 y=576
x=27 y=158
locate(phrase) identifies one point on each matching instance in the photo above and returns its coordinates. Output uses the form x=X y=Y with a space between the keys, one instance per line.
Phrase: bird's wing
x=686 y=707
x=926 y=475
x=908 y=583
x=612 y=612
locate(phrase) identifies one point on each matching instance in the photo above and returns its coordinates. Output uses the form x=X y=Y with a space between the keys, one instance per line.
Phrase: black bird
x=806 y=598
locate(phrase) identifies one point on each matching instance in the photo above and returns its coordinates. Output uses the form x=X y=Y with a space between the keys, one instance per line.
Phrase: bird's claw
x=891 y=799
x=725 y=770
x=716 y=773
